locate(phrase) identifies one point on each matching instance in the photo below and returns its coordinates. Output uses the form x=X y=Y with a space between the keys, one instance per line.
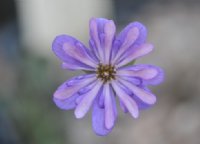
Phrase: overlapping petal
x=98 y=120
x=73 y=53
x=133 y=54
x=103 y=118
x=71 y=86
x=110 y=107
x=149 y=74
x=129 y=38
x=102 y=33
x=65 y=96
x=141 y=104
x=87 y=100
x=129 y=103
x=143 y=95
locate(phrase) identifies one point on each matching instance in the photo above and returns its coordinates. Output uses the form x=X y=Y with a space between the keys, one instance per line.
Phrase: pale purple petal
x=128 y=92
x=101 y=99
x=123 y=107
x=95 y=39
x=109 y=30
x=77 y=66
x=102 y=33
x=130 y=104
x=110 y=108
x=142 y=94
x=98 y=120
x=70 y=87
x=99 y=113
x=87 y=100
x=87 y=88
x=140 y=103
x=66 y=104
x=82 y=92
x=133 y=80
x=115 y=48
x=133 y=54
x=149 y=74
x=72 y=52
x=66 y=95
x=131 y=36
x=142 y=32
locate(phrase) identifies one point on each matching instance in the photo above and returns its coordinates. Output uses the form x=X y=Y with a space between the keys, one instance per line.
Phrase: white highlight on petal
x=131 y=36
x=109 y=107
x=87 y=100
x=145 y=96
x=65 y=91
x=130 y=104
x=138 y=52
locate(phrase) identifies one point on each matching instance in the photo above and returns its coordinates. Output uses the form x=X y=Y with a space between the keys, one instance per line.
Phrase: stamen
x=106 y=72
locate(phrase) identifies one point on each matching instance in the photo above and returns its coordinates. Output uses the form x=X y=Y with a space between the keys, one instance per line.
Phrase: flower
x=108 y=73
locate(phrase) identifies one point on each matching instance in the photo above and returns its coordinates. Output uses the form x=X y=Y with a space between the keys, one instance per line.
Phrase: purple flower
x=109 y=73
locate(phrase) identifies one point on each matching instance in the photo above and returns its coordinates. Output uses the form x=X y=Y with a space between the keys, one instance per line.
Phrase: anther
x=106 y=72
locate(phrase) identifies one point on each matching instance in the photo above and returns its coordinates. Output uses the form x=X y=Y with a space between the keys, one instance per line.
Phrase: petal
x=66 y=104
x=133 y=80
x=110 y=106
x=72 y=52
x=130 y=104
x=142 y=94
x=109 y=30
x=123 y=107
x=76 y=66
x=101 y=99
x=149 y=74
x=142 y=32
x=131 y=36
x=98 y=120
x=102 y=33
x=134 y=54
x=87 y=100
x=140 y=103
x=69 y=88
x=87 y=88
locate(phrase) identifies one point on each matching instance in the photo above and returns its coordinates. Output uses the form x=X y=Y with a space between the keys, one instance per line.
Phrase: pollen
x=106 y=72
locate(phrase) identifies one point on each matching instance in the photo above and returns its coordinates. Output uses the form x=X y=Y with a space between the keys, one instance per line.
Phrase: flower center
x=106 y=72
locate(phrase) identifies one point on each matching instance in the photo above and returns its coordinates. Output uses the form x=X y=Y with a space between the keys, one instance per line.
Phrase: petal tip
x=78 y=114
x=153 y=100
x=136 y=114
x=57 y=95
x=109 y=125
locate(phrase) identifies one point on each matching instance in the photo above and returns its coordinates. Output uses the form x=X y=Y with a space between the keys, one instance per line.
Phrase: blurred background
x=30 y=73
